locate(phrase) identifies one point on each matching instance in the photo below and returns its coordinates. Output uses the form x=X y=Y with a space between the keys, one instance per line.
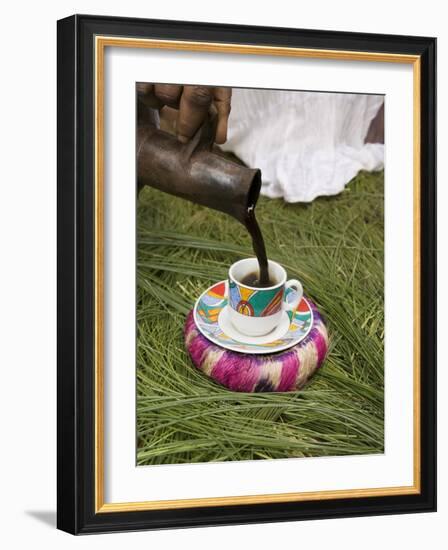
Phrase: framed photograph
x=246 y=274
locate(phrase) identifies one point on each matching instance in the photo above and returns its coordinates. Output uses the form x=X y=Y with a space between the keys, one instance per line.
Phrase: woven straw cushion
x=287 y=370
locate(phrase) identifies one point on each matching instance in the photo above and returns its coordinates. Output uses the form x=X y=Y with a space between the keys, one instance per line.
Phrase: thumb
x=222 y=98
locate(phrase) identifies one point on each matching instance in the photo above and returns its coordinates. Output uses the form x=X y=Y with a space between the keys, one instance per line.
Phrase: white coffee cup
x=255 y=311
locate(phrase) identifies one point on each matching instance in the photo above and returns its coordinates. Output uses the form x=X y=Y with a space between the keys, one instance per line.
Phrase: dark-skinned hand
x=192 y=104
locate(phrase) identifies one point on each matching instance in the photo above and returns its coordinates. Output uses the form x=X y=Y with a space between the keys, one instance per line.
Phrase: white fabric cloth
x=306 y=144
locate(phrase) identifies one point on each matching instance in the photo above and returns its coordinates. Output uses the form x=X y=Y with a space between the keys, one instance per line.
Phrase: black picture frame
x=76 y=301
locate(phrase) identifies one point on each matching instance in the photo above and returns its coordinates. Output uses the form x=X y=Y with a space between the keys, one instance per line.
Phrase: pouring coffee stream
x=259 y=249
x=195 y=172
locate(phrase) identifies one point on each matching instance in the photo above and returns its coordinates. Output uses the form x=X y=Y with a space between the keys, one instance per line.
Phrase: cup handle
x=297 y=285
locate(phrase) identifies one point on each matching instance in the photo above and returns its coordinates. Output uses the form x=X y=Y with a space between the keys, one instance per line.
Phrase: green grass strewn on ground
x=335 y=247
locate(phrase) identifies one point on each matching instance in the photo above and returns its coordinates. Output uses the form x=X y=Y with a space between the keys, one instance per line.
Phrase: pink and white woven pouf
x=284 y=371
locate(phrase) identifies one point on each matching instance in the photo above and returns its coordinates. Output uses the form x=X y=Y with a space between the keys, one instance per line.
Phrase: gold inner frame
x=101 y=42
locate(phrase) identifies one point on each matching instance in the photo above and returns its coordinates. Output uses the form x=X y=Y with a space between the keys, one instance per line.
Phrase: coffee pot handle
x=297 y=286
x=204 y=138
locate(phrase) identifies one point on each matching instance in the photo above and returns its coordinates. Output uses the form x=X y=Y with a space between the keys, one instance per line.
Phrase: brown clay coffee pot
x=193 y=170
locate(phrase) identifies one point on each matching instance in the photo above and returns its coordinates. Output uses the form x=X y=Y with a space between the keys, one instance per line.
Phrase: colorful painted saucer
x=212 y=320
